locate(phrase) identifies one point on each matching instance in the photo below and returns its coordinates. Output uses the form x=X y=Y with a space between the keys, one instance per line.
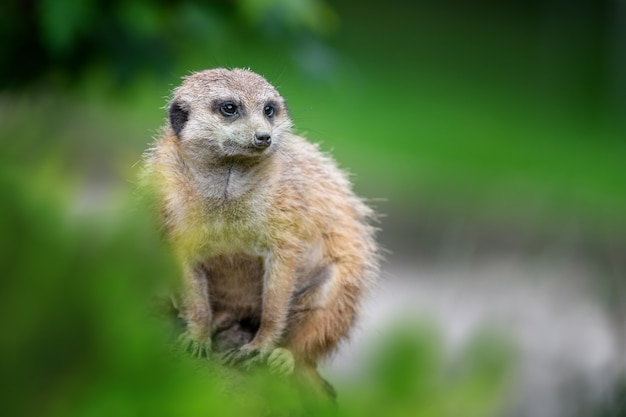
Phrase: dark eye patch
x=178 y=117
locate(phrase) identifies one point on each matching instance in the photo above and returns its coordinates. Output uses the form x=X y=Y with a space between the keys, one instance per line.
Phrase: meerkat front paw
x=281 y=361
x=195 y=346
x=245 y=357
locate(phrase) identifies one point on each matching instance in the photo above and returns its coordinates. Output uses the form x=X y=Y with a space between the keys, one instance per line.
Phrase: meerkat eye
x=269 y=110
x=228 y=109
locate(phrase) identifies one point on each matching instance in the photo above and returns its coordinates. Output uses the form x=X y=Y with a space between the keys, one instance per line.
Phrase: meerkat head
x=221 y=113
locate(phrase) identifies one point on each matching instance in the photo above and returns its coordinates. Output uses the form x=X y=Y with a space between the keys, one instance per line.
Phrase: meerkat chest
x=227 y=233
x=220 y=227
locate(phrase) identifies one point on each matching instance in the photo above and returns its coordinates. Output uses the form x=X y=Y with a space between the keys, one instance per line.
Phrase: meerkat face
x=223 y=113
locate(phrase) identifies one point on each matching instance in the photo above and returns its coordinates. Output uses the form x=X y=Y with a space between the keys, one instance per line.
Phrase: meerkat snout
x=262 y=139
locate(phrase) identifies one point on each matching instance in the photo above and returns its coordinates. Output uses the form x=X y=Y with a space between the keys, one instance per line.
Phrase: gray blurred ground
x=551 y=304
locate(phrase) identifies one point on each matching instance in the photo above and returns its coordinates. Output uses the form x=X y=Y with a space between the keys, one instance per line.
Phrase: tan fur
x=274 y=236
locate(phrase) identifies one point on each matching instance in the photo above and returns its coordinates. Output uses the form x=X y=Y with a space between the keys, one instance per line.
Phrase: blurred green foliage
x=62 y=39
x=410 y=376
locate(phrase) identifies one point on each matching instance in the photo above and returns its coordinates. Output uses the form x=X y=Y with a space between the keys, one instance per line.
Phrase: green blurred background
x=486 y=124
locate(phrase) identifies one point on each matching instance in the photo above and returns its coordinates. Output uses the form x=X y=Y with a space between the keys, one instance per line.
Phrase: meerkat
x=276 y=250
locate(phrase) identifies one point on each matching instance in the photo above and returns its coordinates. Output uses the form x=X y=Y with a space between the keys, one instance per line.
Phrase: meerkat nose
x=262 y=139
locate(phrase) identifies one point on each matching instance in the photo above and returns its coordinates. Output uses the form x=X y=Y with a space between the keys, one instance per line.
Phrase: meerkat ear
x=178 y=117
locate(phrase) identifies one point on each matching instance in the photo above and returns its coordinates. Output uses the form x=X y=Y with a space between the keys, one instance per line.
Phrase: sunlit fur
x=274 y=236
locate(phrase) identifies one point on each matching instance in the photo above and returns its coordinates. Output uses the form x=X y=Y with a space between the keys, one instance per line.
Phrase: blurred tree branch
x=65 y=37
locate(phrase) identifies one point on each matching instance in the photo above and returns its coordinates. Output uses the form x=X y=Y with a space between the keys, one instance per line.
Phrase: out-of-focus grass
x=409 y=375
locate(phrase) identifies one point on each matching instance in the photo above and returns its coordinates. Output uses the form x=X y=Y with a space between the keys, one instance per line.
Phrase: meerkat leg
x=277 y=288
x=323 y=313
x=317 y=332
x=313 y=334
x=323 y=316
x=196 y=312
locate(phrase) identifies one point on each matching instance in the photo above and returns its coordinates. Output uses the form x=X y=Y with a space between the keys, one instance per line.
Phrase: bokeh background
x=491 y=137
